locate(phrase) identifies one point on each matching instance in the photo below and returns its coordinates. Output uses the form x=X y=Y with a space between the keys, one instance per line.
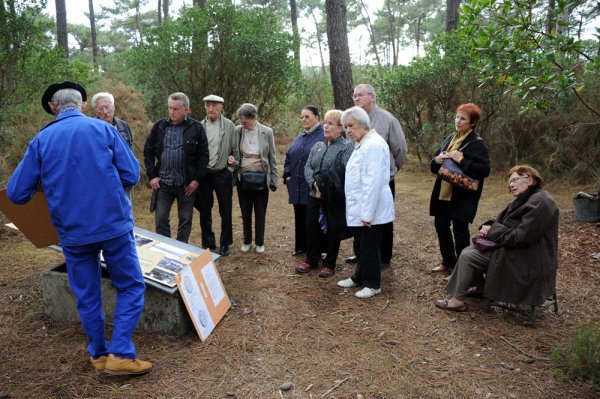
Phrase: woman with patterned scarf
x=450 y=205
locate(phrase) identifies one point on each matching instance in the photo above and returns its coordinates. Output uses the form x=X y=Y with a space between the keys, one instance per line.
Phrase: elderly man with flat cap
x=223 y=152
x=82 y=164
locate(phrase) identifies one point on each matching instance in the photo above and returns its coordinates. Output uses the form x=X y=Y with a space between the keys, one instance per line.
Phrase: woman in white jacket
x=369 y=201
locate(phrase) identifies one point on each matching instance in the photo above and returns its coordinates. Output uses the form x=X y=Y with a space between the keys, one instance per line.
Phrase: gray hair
x=67 y=98
x=369 y=88
x=185 y=101
x=101 y=95
x=359 y=115
x=247 y=110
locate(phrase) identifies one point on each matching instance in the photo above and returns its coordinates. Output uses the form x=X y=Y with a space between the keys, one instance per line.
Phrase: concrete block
x=164 y=311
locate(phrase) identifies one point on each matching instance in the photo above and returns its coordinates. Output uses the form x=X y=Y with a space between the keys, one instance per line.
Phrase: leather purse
x=254 y=181
x=453 y=174
x=482 y=243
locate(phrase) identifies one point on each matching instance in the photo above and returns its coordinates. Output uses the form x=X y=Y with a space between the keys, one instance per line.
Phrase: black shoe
x=298 y=252
x=351 y=259
x=224 y=251
x=385 y=265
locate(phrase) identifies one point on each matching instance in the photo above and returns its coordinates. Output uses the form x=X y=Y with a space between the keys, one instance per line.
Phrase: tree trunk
x=392 y=32
x=93 y=32
x=165 y=4
x=452 y=14
x=367 y=18
x=138 y=23
x=159 y=12
x=319 y=44
x=62 y=36
x=339 y=53
x=551 y=19
x=200 y=3
x=294 y=19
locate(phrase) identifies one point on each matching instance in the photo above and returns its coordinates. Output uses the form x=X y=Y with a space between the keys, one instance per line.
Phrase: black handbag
x=254 y=181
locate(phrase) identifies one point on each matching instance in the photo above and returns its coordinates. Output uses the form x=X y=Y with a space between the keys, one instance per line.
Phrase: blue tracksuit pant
x=84 y=270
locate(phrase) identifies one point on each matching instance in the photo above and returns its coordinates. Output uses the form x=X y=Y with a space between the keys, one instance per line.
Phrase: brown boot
x=121 y=366
x=100 y=363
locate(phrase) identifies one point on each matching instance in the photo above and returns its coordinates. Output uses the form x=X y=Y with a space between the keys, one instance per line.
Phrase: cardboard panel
x=32 y=219
x=203 y=294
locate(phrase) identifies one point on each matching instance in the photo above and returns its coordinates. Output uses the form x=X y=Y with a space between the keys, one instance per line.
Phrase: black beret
x=53 y=88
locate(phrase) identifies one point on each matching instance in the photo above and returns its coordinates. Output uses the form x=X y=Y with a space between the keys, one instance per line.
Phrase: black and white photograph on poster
x=161 y=276
x=171 y=264
x=141 y=241
x=194 y=297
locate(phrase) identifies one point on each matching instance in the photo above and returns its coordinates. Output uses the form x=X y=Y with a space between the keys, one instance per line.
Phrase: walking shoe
x=260 y=249
x=326 y=272
x=304 y=268
x=224 y=250
x=352 y=259
x=245 y=248
x=100 y=363
x=121 y=366
x=347 y=283
x=367 y=292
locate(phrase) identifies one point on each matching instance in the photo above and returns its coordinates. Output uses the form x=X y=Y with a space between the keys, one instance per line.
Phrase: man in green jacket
x=223 y=152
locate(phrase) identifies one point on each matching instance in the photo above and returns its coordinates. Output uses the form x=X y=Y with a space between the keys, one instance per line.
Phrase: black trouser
x=368 y=270
x=300 y=227
x=316 y=240
x=387 y=241
x=450 y=247
x=256 y=200
x=219 y=182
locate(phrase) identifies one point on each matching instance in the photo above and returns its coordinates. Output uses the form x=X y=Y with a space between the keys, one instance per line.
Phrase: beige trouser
x=470 y=267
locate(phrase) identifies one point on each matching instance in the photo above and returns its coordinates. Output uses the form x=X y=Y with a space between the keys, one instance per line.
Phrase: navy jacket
x=295 y=161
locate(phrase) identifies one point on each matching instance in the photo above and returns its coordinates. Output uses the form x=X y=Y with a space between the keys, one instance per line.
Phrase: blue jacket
x=83 y=164
x=295 y=162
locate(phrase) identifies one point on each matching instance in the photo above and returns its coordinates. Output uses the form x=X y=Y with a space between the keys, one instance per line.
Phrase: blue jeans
x=185 y=211
x=84 y=271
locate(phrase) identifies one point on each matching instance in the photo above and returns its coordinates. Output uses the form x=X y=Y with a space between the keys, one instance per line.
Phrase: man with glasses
x=389 y=128
x=104 y=105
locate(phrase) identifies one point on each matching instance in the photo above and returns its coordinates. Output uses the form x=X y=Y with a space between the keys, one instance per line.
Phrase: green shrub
x=582 y=359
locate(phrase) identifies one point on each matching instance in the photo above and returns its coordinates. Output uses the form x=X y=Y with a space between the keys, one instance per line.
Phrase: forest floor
x=308 y=331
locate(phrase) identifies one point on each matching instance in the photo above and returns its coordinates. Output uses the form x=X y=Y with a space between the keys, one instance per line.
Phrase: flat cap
x=54 y=87
x=213 y=98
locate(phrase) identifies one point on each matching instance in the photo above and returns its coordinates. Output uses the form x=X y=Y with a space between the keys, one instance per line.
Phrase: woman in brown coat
x=521 y=268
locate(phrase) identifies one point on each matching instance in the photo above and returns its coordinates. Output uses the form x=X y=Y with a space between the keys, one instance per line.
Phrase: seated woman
x=521 y=268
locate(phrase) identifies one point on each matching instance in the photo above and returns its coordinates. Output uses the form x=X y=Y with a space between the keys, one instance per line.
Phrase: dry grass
x=306 y=330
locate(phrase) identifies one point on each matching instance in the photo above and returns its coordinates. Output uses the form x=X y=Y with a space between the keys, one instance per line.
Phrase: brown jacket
x=523 y=270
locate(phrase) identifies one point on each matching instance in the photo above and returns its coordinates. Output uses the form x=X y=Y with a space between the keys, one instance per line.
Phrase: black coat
x=476 y=164
x=522 y=270
x=195 y=147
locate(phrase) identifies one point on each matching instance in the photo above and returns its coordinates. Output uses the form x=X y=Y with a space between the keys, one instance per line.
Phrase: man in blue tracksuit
x=82 y=165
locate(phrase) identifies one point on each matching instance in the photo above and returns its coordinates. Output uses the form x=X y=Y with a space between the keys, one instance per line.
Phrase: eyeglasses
x=103 y=108
x=515 y=179
x=305 y=117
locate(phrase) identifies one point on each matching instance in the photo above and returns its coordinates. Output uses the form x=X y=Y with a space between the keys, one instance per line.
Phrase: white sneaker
x=245 y=248
x=260 y=249
x=367 y=292
x=347 y=283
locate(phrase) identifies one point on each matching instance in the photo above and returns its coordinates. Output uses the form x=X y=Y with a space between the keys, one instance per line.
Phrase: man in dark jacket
x=176 y=158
